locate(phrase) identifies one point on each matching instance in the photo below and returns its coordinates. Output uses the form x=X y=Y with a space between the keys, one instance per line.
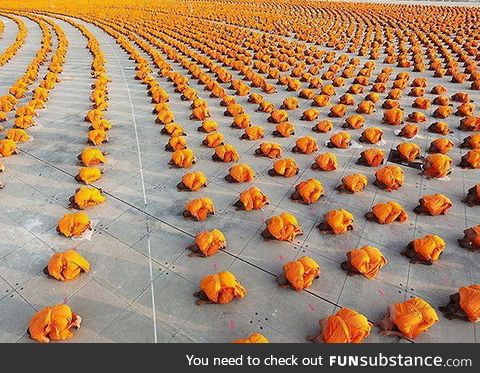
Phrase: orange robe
x=310 y=114
x=254 y=133
x=355 y=183
x=278 y=116
x=326 y=162
x=442 y=146
x=470 y=301
x=435 y=204
x=393 y=116
x=88 y=197
x=253 y=338
x=73 y=225
x=241 y=121
x=17 y=135
x=209 y=242
x=409 y=131
x=388 y=212
x=222 y=288
x=194 y=181
x=473 y=141
x=310 y=190
x=441 y=128
x=367 y=260
x=323 y=126
x=306 y=145
x=97 y=137
x=391 y=177
x=67 y=265
x=253 y=199
x=346 y=326
x=92 y=157
x=286 y=167
x=227 y=153
x=372 y=135
x=301 y=273
x=437 y=165
x=89 y=174
x=339 y=221
x=429 y=247
x=209 y=126
x=472 y=158
x=173 y=129
x=283 y=227
x=7 y=148
x=408 y=151
x=355 y=121
x=271 y=150
x=214 y=139
x=177 y=143
x=341 y=140
x=200 y=208
x=413 y=317
x=373 y=157
x=183 y=158
x=242 y=173
x=52 y=323
x=337 y=111
x=285 y=129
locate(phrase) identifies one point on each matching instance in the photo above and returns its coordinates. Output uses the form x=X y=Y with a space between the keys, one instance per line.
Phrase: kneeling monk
x=74 y=225
x=371 y=157
x=473 y=196
x=389 y=178
x=53 y=323
x=366 y=261
x=240 y=173
x=337 y=222
x=270 y=150
x=284 y=167
x=66 y=266
x=308 y=191
x=471 y=159
x=253 y=338
x=283 y=227
x=425 y=250
x=86 y=197
x=434 y=204
x=437 y=166
x=199 y=209
x=471 y=238
x=299 y=274
x=464 y=305
x=346 y=326
x=408 y=319
x=89 y=175
x=183 y=158
x=353 y=183
x=252 y=199
x=207 y=243
x=193 y=181
x=325 y=162
x=220 y=288
x=386 y=213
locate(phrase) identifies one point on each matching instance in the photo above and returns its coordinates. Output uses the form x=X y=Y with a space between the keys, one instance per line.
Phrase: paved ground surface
x=115 y=300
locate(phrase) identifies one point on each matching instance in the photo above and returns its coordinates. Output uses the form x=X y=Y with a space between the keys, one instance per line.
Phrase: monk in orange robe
x=408 y=319
x=409 y=131
x=308 y=191
x=441 y=145
x=53 y=324
x=97 y=137
x=353 y=183
x=437 y=165
x=220 y=288
x=337 y=222
x=214 y=139
x=346 y=326
x=66 y=266
x=464 y=305
x=173 y=129
x=253 y=133
x=305 y=145
x=389 y=178
x=433 y=205
x=207 y=243
x=74 y=225
x=176 y=143
x=371 y=135
x=471 y=238
x=199 y=209
x=340 y=140
x=269 y=150
x=366 y=261
x=225 y=153
x=406 y=152
x=252 y=199
x=299 y=274
x=278 y=116
x=338 y=111
x=8 y=148
x=183 y=158
x=241 y=121
x=471 y=159
x=425 y=250
x=371 y=157
x=86 y=197
x=285 y=129
x=441 y=128
x=193 y=181
x=286 y=167
x=92 y=157
x=17 y=135
x=367 y=106
x=470 y=124
x=290 y=103
x=310 y=114
x=89 y=175
x=208 y=126
x=354 y=122
x=323 y=126
x=442 y=112
x=473 y=196
x=283 y=227
x=386 y=213
x=393 y=116
x=471 y=142
x=253 y=338
x=240 y=173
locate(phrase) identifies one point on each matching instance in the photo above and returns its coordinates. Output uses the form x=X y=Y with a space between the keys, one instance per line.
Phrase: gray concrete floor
x=114 y=299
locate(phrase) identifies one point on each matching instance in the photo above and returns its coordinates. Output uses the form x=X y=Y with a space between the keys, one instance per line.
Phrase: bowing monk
x=340 y=140
x=183 y=158
x=74 y=225
x=220 y=288
x=207 y=243
x=53 y=324
x=441 y=145
x=471 y=159
x=214 y=139
x=290 y=103
x=371 y=157
x=437 y=166
x=440 y=128
x=225 y=153
x=310 y=114
x=308 y=191
x=199 y=209
x=92 y=157
x=433 y=205
x=346 y=326
x=66 y=266
x=252 y=199
x=354 y=122
x=305 y=145
x=471 y=238
x=88 y=175
x=371 y=135
x=173 y=129
x=473 y=196
x=354 y=183
x=208 y=126
x=337 y=111
x=8 y=148
x=470 y=124
x=176 y=143
x=278 y=116
x=409 y=131
x=17 y=135
x=269 y=150
x=337 y=222
x=393 y=116
x=425 y=250
x=325 y=162
x=406 y=152
x=299 y=274
x=286 y=167
x=387 y=213
x=86 y=197
x=284 y=129
x=253 y=338
x=97 y=137
x=464 y=305
x=193 y=181
x=323 y=126
x=253 y=133
x=283 y=227
x=389 y=178
x=240 y=173
x=408 y=319
x=366 y=261
x=471 y=142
